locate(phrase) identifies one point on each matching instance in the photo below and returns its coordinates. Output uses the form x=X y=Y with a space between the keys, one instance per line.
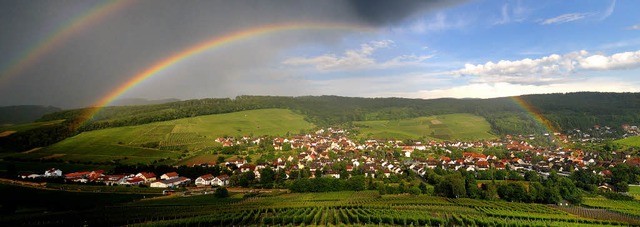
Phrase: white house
x=53 y=172
x=168 y=176
x=204 y=180
x=221 y=180
x=147 y=176
x=170 y=183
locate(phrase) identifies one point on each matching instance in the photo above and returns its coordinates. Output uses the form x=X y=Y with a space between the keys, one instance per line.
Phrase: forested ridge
x=565 y=111
x=24 y=113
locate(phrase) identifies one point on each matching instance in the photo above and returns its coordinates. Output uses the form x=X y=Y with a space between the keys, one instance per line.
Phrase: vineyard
x=335 y=208
x=169 y=140
x=631 y=208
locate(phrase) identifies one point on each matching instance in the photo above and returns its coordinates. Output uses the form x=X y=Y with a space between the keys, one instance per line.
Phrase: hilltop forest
x=564 y=111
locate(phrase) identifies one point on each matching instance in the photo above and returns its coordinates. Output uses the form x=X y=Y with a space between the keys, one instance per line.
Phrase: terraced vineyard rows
x=178 y=141
x=631 y=208
x=336 y=208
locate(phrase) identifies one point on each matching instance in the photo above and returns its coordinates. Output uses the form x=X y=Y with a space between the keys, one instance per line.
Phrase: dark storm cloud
x=383 y=12
x=94 y=61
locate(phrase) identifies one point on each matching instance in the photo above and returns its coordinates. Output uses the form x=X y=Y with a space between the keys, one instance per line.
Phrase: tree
x=221 y=193
x=452 y=186
x=585 y=179
x=531 y=176
x=513 y=175
x=536 y=192
x=491 y=192
x=423 y=188
x=355 y=183
x=415 y=190
x=569 y=191
x=220 y=159
x=471 y=185
x=500 y=174
x=551 y=194
x=512 y=192
x=266 y=177
x=622 y=174
x=246 y=179
x=318 y=172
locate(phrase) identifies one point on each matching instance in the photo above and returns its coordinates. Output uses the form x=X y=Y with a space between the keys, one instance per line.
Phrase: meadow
x=633 y=141
x=8 y=129
x=168 y=141
x=331 y=208
x=634 y=190
x=440 y=127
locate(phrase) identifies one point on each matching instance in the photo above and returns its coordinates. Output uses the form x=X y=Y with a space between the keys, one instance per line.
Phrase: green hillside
x=443 y=127
x=506 y=116
x=170 y=139
x=630 y=141
x=28 y=126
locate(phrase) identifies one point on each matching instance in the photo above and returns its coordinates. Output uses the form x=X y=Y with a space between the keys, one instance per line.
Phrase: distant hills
x=141 y=101
x=508 y=115
x=24 y=114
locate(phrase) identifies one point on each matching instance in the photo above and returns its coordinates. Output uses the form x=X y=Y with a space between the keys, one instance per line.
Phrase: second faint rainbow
x=204 y=46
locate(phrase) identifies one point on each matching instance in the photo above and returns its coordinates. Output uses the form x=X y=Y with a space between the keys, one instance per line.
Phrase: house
x=95 y=174
x=247 y=168
x=53 y=172
x=333 y=173
x=222 y=180
x=173 y=182
x=29 y=175
x=147 y=176
x=113 y=179
x=204 y=180
x=133 y=181
x=77 y=177
x=168 y=176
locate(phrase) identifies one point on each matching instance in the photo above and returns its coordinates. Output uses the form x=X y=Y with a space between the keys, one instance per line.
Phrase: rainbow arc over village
x=209 y=45
x=535 y=114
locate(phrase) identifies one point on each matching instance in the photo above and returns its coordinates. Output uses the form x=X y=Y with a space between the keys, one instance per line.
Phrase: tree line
x=564 y=111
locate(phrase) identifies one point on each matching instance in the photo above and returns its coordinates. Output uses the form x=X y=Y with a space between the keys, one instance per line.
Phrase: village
x=331 y=153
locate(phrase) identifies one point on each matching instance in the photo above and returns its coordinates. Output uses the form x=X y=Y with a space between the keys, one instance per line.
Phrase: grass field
x=27 y=126
x=325 y=209
x=634 y=190
x=169 y=139
x=441 y=127
x=633 y=141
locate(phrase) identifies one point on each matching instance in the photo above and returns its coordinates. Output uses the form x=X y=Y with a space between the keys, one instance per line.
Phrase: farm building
x=170 y=183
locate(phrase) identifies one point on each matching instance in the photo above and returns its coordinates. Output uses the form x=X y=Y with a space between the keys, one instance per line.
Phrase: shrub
x=221 y=193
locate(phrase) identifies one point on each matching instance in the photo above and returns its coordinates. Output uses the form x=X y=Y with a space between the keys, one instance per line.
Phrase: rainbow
x=202 y=47
x=535 y=114
x=60 y=35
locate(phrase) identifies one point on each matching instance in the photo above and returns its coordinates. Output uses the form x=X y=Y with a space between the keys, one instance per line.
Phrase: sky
x=75 y=53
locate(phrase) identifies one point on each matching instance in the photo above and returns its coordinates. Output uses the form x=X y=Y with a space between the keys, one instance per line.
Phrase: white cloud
x=608 y=11
x=550 y=69
x=564 y=18
x=634 y=27
x=512 y=13
x=625 y=60
x=357 y=59
x=504 y=12
x=439 y=22
x=488 y=90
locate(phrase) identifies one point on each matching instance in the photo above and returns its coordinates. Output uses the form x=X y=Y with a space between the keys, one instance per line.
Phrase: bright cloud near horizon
x=406 y=48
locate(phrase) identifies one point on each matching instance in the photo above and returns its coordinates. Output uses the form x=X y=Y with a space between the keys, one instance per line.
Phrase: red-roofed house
x=170 y=175
x=221 y=180
x=204 y=180
x=134 y=181
x=147 y=176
